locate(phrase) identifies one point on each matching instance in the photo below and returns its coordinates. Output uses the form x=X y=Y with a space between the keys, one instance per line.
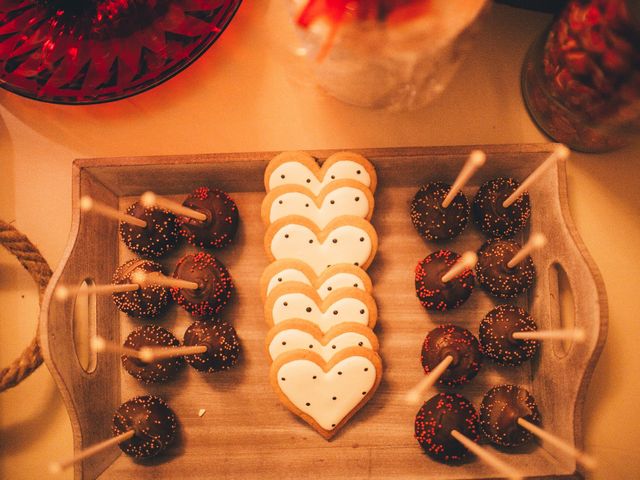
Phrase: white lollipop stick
x=466 y=261
x=416 y=394
x=156 y=278
x=148 y=354
x=99 y=344
x=535 y=242
x=65 y=291
x=57 y=467
x=487 y=457
x=576 y=334
x=150 y=199
x=586 y=460
x=89 y=204
x=474 y=162
x=561 y=152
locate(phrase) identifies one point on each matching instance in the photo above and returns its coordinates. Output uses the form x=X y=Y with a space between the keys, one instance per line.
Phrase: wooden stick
x=150 y=199
x=416 y=394
x=156 y=278
x=561 y=152
x=100 y=344
x=466 y=261
x=575 y=334
x=487 y=457
x=87 y=203
x=586 y=460
x=148 y=354
x=474 y=162
x=64 y=291
x=535 y=242
x=57 y=467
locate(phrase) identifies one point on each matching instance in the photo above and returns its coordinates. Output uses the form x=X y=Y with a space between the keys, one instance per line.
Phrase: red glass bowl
x=93 y=51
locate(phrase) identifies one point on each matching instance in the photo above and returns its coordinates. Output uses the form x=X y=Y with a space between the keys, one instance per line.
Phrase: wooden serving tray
x=246 y=432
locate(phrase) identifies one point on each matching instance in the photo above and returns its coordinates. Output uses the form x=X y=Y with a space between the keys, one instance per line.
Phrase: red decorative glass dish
x=92 y=51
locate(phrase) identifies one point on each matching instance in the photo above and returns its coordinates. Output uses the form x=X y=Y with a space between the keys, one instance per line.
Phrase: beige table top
x=238 y=97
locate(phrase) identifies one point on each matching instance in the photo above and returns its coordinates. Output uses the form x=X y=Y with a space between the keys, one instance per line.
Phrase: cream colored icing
x=298 y=305
x=345 y=244
x=341 y=201
x=294 y=339
x=327 y=397
x=296 y=173
x=331 y=284
x=287 y=275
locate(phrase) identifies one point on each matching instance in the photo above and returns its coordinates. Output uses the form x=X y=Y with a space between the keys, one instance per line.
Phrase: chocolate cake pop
x=161 y=234
x=147 y=301
x=156 y=371
x=492 y=217
x=154 y=423
x=433 y=293
x=495 y=276
x=215 y=286
x=431 y=219
x=220 y=227
x=221 y=340
x=496 y=330
x=436 y=419
x=457 y=342
x=500 y=410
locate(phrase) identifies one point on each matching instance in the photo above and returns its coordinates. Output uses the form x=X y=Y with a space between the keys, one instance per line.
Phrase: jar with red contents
x=581 y=79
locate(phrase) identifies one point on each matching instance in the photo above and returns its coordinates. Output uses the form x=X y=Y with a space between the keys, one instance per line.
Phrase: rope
x=31 y=259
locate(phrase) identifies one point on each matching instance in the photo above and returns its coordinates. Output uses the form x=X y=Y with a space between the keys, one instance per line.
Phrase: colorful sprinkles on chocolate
x=154 y=423
x=215 y=286
x=145 y=302
x=460 y=344
x=434 y=222
x=159 y=370
x=496 y=330
x=436 y=419
x=489 y=214
x=219 y=229
x=500 y=410
x=160 y=236
x=432 y=292
x=221 y=340
x=496 y=277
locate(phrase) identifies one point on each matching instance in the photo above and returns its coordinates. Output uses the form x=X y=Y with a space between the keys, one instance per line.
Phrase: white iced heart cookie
x=299 y=301
x=341 y=197
x=326 y=394
x=335 y=277
x=300 y=168
x=302 y=335
x=346 y=239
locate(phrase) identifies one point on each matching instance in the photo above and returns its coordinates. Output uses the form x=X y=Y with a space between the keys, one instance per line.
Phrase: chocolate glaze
x=221 y=340
x=215 y=286
x=436 y=419
x=458 y=342
x=161 y=234
x=499 y=412
x=489 y=214
x=145 y=302
x=496 y=277
x=220 y=227
x=432 y=292
x=154 y=423
x=496 y=330
x=434 y=222
x=159 y=370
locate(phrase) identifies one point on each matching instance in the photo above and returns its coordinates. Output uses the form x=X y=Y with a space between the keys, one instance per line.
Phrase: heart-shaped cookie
x=299 y=301
x=302 y=335
x=346 y=239
x=326 y=394
x=335 y=277
x=300 y=168
x=340 y=197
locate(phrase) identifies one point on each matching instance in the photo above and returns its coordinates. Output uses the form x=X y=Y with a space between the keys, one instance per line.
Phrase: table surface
x=240 y=97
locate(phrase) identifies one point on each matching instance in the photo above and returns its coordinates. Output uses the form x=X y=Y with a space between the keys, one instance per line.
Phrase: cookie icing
x=294 y=339
x=296 y=173
x=331 y=284
x=327 y=397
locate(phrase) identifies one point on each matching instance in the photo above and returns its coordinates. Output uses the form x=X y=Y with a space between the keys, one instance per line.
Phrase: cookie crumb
x=201 y=412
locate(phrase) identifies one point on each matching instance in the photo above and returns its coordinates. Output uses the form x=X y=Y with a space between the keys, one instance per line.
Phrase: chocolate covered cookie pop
x=492 y=217
x=221 y=340
x=434 y=287
x=148 y=301
x=155 y=371
x=160 y=234
x=431 y=219
x=496 y=276
x=496 y=335
x=221 y=224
